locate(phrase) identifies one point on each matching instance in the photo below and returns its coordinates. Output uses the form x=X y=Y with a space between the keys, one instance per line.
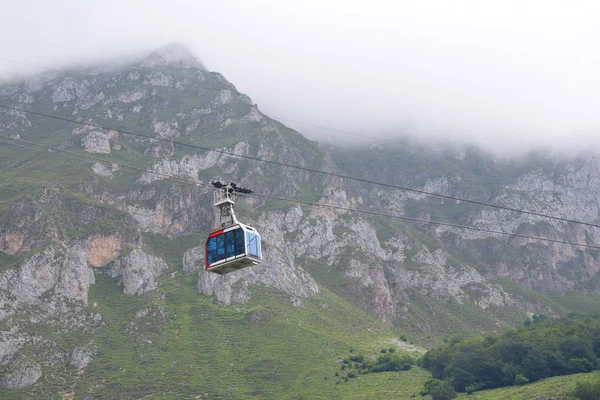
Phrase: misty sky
x=505 y=74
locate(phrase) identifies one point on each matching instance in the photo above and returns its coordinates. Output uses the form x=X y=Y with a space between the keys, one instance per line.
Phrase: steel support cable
x=282 y=164
x=58 y=210
x=329 y=206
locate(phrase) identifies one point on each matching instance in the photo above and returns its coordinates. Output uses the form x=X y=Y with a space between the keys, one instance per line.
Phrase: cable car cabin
x=233 y=248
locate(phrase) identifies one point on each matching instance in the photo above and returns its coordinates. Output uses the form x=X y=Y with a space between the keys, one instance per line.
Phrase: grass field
x=551 y=388
x=187 y=346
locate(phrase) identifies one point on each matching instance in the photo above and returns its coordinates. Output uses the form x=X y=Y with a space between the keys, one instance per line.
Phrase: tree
x=535 y=365
x=520 y=380
x=439 y=390
x=576 y=365
x=547 y=347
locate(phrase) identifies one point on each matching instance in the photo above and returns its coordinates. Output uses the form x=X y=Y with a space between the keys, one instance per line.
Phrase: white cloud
x=506 y=74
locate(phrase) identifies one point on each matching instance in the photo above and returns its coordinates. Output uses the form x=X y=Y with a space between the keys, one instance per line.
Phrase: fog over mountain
x=507 y=75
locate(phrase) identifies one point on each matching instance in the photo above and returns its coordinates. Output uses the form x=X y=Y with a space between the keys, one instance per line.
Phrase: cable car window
x=230 y=244
x=220 y=247
x=239 y=242
x=252 y=244
x=211 y=248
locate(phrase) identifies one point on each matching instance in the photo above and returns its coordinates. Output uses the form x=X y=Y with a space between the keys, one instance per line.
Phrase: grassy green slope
x=558 y=387
x=569 y=302
x=265 y=349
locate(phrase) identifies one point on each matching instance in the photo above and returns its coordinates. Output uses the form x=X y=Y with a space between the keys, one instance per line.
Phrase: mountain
x=102 y=291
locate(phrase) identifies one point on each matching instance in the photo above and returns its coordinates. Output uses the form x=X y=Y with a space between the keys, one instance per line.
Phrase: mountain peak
x=175 y=55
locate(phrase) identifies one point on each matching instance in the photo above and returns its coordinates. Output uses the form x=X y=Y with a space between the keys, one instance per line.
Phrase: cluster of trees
x=389 y=360
x=542 y=348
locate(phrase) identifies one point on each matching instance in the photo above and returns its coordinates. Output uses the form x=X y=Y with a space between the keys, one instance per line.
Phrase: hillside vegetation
x=543 y=348
x=173 y=344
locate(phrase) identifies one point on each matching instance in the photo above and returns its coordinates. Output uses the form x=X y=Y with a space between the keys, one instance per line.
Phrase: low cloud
x=504 y=75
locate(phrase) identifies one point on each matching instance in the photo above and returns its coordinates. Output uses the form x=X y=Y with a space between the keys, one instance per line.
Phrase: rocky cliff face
x=66 y=221
x=49 y=289
x=137 y=271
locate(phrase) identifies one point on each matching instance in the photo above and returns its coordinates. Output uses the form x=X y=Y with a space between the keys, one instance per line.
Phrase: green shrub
x=387 y=361
x=391 y=362
x=521 y=380
x=438 y=390
x=359 y=358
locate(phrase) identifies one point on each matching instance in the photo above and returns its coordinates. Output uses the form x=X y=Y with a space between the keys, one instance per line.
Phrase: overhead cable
x=282 y=164
x=329 y=206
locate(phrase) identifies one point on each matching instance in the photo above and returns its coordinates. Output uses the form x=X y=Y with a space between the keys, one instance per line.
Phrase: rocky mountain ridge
x=64 y=222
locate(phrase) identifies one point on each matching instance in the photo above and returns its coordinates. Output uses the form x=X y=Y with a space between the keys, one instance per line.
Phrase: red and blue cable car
x=236 y=245
x=233 y=248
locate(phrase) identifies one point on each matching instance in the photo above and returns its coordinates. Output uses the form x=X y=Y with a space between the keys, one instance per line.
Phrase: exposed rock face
x=21 y=376
x=103 y=249
x=68 y=90
x=50 y=288
x=10 y=343
x=190 y=166
x=132 y=96
x=24 y=227
x=82 y=93
x=158 y=79
x=174 y=55
x=101 y=170
x=34 y=84
x=166 y=129
x=66 y=273
x=11 y=243
x=193 y=260
x=80 y=358
x=138 y=271
x=35 y=277
x=174 y=213
x=273 y=272
x=75 y=275
x=99 y=142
